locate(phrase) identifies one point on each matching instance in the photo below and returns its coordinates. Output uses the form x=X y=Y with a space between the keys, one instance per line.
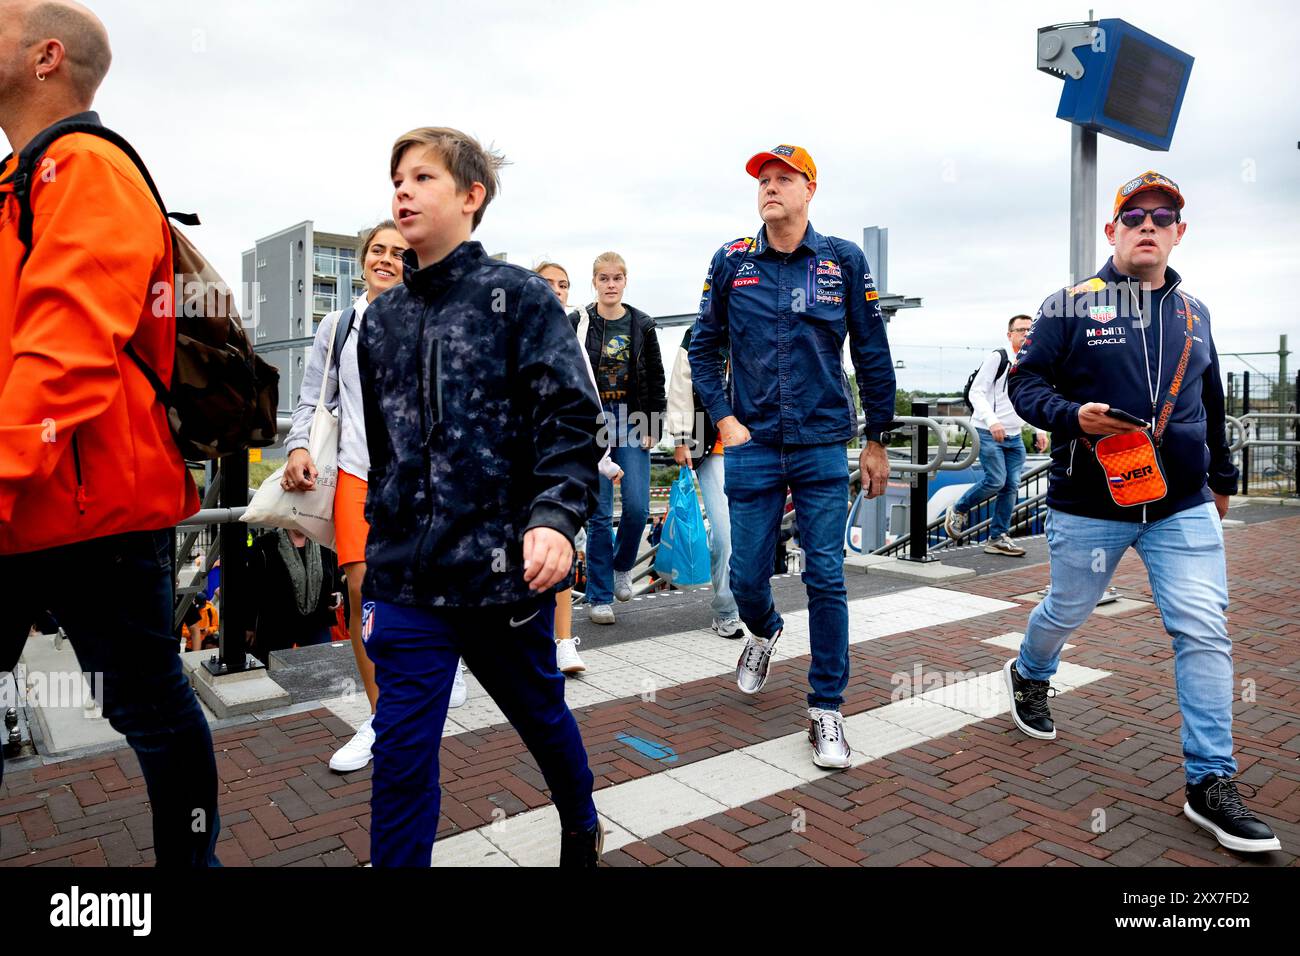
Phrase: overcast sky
x=628 y=125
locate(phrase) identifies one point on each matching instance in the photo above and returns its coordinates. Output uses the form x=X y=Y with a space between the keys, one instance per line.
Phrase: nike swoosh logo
x=514 y=623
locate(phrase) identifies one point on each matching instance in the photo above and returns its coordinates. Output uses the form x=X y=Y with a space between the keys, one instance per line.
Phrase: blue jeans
x=757 y=476
x=605 y=553
x=113 y=598
x=711 y=474
x=511 y=650
x=1184 y=557
x=1002 y=462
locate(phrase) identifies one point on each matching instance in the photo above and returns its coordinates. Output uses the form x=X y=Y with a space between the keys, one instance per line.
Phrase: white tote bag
x=311 y=512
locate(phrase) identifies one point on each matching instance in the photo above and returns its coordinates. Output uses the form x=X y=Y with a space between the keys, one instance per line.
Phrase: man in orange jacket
x=90 y=478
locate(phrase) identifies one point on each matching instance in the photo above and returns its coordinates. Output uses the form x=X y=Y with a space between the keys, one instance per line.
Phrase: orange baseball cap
x=796 y=157
x=1148 y=181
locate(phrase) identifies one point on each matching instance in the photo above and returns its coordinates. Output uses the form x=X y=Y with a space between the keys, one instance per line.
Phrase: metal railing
x=937 y=461
x=1024 y=514
x=922 y=540
x=1280 y=471
x=224 y=505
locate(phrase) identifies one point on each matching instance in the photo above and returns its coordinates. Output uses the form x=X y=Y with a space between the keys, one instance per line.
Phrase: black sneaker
x=581 y=849
x=1215 y=805
x=1029 y=703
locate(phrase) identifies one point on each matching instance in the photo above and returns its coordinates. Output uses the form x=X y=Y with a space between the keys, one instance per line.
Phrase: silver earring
x=41 y=77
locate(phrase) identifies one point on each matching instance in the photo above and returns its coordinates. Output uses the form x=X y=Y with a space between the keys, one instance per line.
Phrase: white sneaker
x=755 y=661
x=826 y=731
x=566 y=656
x=355 y=754
x=623 y=585
x=729 y=627
x=459 y=692
x=1003 y=544
x=601 y=614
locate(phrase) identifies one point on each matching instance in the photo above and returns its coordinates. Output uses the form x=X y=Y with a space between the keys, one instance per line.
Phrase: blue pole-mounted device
x=1122 y=82
x=1119 y=80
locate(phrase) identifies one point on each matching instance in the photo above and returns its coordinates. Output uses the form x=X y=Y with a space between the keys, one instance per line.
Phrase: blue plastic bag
x=683 y=556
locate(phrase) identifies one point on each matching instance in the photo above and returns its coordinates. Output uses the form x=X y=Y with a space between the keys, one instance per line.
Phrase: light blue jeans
x=711 y=474
x=1184 y=557
x=607 y=552
x=1002 y=462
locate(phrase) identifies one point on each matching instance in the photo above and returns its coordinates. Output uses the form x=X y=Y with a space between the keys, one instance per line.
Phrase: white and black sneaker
x=955 y=523
x=1215 y=805
x=1029 y=703
x=755 y=660
x=728 y=627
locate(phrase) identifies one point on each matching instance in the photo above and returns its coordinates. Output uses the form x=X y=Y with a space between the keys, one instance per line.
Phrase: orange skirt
x=350 y=528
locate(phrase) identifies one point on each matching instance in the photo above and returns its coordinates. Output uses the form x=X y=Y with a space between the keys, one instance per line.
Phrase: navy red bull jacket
x=1086 y=345
x=784 y=318
x=481 y=420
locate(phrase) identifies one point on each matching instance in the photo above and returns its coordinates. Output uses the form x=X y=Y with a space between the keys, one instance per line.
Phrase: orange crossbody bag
x=1131 y=462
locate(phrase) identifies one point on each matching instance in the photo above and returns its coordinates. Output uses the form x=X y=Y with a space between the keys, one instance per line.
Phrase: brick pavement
x=1108 y=791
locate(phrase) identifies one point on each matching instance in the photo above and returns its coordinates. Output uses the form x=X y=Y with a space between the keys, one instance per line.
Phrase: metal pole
x=233 y=539
x=1282 y=353
x=920 y=486
x=1245 y=451
x=1083 y=203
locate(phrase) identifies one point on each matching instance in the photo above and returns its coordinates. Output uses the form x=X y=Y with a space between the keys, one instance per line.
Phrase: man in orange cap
x=781 y=305
x=1123 y=372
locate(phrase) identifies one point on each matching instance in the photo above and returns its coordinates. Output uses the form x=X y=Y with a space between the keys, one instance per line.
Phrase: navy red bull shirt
x=784 y=317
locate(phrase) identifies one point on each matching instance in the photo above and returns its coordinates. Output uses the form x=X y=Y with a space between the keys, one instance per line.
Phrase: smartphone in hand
x=1123 y=416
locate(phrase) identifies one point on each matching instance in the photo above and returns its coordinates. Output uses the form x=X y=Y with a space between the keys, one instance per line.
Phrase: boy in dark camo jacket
x=481 y=422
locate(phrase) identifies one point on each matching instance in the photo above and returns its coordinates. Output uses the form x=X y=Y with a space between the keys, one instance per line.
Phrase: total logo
x=747 y=274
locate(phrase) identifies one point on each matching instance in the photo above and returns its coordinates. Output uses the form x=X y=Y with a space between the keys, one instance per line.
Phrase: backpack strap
x=29 y=159
x=346 y=320
x=1004 y=363
x=22 y=180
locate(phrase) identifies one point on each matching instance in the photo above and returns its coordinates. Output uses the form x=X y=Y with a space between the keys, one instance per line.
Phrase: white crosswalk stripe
x=641 y=808
x=655 y=664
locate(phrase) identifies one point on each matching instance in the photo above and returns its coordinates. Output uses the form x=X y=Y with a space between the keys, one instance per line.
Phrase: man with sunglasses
x=1130 y=340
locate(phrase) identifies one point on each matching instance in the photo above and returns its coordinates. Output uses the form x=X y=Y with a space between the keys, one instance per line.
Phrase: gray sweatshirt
x=342 y=393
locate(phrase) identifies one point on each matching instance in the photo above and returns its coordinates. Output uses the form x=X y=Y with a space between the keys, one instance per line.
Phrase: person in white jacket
x=566 y=645
x=697 y=446
x=1002 y=450
x=381 y=268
